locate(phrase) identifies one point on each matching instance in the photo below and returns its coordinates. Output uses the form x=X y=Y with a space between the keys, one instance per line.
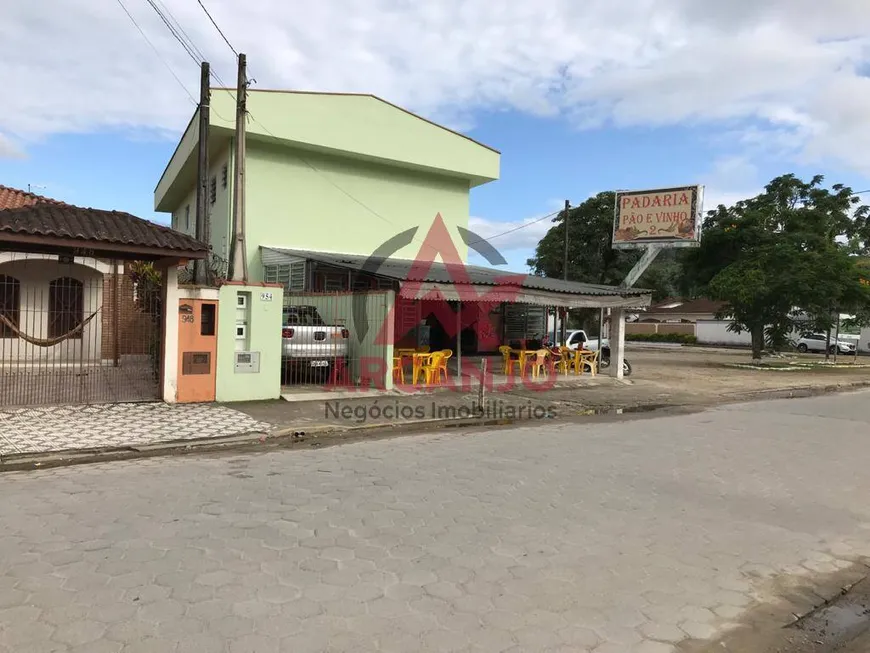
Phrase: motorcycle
x=604 y=362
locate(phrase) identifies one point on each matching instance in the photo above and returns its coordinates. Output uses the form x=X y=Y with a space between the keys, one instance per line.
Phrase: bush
x=680 y=338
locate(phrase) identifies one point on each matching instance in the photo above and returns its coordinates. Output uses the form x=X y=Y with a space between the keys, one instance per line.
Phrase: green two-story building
x=333 y=179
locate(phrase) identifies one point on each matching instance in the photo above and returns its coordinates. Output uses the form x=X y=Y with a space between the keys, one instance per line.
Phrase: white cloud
x=9 y=149
x=789 y=67
x=518 y=235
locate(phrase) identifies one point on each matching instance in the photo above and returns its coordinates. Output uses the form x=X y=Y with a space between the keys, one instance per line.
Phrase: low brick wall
x=648 y=328
x=633 y=328
x=683 y=329
x=136 y=329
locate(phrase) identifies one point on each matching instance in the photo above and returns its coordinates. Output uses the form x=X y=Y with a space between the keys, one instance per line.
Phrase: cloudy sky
x=579 y=96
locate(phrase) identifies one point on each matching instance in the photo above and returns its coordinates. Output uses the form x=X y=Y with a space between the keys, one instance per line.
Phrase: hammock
x=46 y=342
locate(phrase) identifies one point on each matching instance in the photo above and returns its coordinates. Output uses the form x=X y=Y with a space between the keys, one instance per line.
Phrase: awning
x=472 y=293
x=478 y=284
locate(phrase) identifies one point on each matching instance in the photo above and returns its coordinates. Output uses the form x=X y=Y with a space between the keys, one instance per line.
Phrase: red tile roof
x=100 y=229
x=12 y=198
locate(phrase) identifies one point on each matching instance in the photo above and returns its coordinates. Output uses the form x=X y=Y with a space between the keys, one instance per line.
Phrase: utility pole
x=828 y=340
x=239 y=252
x=202 y=230
x=564 y=312
x=565 y=252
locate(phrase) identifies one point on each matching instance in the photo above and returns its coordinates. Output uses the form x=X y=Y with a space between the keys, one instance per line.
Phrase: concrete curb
x=798 y=392
x=298 y=437
x=291 y=436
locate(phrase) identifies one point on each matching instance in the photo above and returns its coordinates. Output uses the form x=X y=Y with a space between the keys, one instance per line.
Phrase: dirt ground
x=825 y=614
x=674 y=377
x=699 y=376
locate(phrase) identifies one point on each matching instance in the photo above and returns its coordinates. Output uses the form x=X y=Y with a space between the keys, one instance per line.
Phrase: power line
x=177 y=31
x=190 y=41
x=156 y=51
x=180 y=29
x=522 y=226
x=187 y=48
x=223 y=36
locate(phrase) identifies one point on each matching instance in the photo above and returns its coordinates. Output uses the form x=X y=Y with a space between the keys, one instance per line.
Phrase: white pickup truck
x=578 y=339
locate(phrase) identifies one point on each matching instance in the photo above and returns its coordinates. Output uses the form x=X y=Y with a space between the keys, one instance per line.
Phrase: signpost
x=651 y=220
x=670 y=216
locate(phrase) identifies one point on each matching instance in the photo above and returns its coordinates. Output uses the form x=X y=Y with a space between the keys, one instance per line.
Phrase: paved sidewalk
x=661 y=378
x=344 y=411
x=622 y=537
x=60 y=428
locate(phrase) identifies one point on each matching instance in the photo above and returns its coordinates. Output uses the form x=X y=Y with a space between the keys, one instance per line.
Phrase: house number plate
x=265 y=297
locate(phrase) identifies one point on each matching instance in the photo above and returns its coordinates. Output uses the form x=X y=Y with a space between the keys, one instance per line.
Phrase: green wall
x=317 y=162
x=291 y=205
x=263 y=335
x=220 y=211
x=362 y=126
x=336 y=309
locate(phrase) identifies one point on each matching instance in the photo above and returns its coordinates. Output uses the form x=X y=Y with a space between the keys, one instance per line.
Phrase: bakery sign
x=666 y=215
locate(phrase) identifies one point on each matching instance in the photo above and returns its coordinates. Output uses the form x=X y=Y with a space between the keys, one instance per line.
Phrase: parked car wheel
x=832 y=349
x=802 y=348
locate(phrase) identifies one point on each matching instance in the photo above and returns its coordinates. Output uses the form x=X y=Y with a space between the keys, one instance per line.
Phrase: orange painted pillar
x=197 y=350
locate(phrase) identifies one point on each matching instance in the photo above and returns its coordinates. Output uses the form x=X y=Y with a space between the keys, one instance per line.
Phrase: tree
x=591 y=257
x=148 y=284
x=792 y=248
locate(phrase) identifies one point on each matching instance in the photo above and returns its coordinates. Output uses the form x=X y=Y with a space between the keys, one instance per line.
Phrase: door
x=197 y=350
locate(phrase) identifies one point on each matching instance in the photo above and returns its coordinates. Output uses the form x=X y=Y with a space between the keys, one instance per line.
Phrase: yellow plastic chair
x=591 y=359
x=584 y=357
x=539 y=365
x=505 y=352
x=420 y=360
x=398 y=370
x=432 y=368
x=442 y=365
x=564 y=363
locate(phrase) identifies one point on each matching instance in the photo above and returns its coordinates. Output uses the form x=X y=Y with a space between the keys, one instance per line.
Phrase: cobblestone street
x=610 y=537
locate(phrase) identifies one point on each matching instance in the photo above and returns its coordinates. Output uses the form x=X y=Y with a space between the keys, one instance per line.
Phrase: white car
x=818 y=342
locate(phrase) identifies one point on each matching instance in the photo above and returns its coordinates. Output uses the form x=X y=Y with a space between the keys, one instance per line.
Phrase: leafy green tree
x=791 y=249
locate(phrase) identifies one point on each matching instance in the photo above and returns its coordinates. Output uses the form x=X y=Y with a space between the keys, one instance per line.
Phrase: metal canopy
x=478 y=284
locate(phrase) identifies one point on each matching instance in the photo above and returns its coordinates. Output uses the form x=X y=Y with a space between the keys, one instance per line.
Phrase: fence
x=715 y=332
x=73 y=331
x=338 y=338
x=648 y=328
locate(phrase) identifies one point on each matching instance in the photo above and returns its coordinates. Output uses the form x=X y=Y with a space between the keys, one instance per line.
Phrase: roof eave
x=473 y=180
x=635 y=297
x=98 y=249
